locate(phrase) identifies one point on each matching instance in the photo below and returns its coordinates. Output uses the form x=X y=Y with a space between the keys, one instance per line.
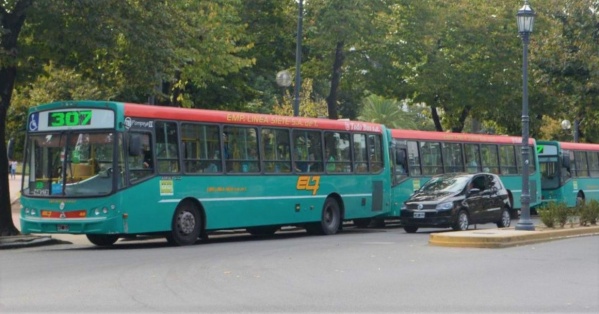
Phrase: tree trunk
x=462 y=120
x=335 y=79
x=11 y=23
x=436 y=119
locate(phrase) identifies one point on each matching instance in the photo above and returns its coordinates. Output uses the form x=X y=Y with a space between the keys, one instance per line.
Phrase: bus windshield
x=550 y=178
x=69 y=164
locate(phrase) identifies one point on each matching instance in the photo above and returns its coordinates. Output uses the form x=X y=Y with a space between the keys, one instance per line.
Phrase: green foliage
x=392 y=114
x=553 y=214
x=589 y=213
x=308 y=105
x=565 y=59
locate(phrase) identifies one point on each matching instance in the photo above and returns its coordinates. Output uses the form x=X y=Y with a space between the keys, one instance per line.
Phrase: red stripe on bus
x=579 y=146
x=457 y=137
x=213 y=116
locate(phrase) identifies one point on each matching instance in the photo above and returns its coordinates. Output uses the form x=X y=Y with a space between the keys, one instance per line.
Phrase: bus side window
x=275 y=146
x=167 y=147
x=360 y=154
x=413 y=159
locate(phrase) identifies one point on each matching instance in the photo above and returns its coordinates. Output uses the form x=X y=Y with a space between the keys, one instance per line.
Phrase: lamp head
x=525 y=18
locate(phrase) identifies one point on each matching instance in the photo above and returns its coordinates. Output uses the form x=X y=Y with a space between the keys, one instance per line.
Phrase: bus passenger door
x=398 y=154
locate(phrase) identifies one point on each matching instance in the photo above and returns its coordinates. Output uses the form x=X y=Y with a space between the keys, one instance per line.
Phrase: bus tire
x=330 y=219
x=186 y=225
x=102 y=239
x=580 y=199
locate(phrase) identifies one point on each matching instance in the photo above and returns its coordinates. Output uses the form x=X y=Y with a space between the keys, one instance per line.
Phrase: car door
x=476 y=201
x=494 y=201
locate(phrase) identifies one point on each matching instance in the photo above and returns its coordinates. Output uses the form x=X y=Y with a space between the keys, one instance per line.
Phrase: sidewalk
x=22 y=240
x=501 y=238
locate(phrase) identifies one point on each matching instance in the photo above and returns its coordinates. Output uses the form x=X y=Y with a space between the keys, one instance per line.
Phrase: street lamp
x=525 y=18
x=298 y=58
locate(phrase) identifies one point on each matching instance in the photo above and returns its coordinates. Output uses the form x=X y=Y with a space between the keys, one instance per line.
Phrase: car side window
x=495 y=183
x=479 y=183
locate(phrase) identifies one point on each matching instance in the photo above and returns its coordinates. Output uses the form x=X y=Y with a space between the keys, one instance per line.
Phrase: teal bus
x=570 y=172
x=428 y=153
x=110 y=170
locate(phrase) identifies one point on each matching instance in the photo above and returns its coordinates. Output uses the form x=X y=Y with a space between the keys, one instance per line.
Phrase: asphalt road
x=367 y=270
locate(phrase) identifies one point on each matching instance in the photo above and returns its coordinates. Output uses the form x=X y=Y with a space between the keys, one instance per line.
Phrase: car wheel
x=410 y=229
x=506 y=219
x=102 y=239
x=462 y=222
x=186 y=225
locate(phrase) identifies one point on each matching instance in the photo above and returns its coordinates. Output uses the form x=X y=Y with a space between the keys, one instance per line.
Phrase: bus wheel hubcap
x=186 y=222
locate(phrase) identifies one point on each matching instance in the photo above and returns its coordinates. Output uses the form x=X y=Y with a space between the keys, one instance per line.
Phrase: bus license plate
x=62 y=227
x=418 y=214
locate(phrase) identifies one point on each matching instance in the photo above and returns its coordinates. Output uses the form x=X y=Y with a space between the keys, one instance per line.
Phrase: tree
x=567 y=62
x=132 y=45
x=393 y=114
x=338 y=35
x=12 y=17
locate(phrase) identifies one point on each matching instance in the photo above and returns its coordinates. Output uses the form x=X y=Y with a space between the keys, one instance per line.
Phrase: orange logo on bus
x=308 y=183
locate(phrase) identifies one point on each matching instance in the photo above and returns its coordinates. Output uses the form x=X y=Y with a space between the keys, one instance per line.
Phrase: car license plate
x=418 y=214
x=62 y=228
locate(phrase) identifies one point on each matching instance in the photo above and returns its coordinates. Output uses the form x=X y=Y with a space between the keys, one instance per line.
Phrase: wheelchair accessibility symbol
x=34 y=122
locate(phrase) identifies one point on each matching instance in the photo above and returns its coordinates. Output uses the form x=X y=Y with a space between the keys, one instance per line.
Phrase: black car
x=457 y=200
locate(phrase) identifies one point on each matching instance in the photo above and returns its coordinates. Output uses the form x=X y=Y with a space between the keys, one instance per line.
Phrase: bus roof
x=457 y=137
x=215 y=116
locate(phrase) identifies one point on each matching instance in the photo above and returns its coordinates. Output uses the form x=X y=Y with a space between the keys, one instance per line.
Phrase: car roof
x=462 y=174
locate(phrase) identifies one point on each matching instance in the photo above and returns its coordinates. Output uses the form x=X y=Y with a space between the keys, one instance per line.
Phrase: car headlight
x=404 y=207
x=444 y=206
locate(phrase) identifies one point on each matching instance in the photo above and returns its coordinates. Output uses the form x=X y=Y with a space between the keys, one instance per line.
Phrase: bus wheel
x=580 y=199
x=186 y=225
x=330 y=219
x=262 y=231
x=102 y=239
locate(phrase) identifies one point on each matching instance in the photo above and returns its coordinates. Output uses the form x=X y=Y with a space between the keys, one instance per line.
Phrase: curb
x=19 y=241
x=501 y=238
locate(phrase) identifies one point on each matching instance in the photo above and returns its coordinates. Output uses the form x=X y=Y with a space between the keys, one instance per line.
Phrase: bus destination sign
x=71 y=119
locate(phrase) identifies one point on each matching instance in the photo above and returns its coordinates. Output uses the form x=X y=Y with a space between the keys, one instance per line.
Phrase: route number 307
x=70 y=118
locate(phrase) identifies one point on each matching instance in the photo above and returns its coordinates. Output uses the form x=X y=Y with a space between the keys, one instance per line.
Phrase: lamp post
x=525 y=18
x=298 y=58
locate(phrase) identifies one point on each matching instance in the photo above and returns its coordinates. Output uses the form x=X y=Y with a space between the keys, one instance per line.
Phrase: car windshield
x=445 y=184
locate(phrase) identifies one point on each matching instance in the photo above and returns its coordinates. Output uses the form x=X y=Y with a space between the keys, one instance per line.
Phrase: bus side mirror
x=565 y=161
x=134 y=145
